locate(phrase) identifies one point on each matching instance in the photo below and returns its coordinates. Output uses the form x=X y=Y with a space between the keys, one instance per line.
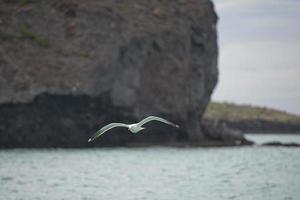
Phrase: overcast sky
x=259 y=61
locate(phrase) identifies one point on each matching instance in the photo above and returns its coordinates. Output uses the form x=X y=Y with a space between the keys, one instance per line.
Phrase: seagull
x=134 y=128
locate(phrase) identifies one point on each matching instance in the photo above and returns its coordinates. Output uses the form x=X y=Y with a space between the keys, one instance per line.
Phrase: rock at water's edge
x=281 y=144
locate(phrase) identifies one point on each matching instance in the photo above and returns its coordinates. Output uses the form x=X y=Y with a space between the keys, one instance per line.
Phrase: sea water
x=152 y=173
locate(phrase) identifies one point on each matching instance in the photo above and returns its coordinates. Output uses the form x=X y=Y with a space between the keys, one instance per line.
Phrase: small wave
x=7 y=178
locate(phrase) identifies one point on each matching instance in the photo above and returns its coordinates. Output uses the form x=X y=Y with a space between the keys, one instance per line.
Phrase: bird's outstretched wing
x=106 y=128
x=151 y=118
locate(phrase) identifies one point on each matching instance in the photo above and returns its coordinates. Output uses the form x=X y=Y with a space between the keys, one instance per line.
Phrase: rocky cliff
x=69 y=66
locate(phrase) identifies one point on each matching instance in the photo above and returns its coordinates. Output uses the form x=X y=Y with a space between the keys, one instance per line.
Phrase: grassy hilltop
x=253 y=118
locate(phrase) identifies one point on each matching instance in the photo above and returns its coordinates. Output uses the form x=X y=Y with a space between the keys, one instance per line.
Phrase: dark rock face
x=220 y=132
x=68 y=66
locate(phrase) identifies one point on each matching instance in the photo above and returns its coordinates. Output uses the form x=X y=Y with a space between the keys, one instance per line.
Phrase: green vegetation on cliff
x=234 y=113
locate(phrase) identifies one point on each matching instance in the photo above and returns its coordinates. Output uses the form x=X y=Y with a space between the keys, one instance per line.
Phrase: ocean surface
x=259 y=173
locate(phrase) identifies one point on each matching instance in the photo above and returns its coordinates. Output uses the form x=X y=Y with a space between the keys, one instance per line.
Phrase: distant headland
x=253 y=119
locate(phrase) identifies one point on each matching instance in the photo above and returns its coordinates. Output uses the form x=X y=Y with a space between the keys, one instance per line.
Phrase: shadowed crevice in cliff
x=68 y=121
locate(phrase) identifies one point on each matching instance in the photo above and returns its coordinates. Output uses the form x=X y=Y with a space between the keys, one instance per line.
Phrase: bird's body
x=134 y=128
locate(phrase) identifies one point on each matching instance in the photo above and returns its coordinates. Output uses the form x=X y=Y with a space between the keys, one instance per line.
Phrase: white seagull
x=134 y=128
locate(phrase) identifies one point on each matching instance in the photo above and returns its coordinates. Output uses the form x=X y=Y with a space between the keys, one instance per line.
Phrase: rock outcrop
x=69 y=66
x=219 y=134
x=281 y=144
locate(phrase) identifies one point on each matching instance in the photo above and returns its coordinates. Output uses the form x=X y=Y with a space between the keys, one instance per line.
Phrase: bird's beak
x=90 y=140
